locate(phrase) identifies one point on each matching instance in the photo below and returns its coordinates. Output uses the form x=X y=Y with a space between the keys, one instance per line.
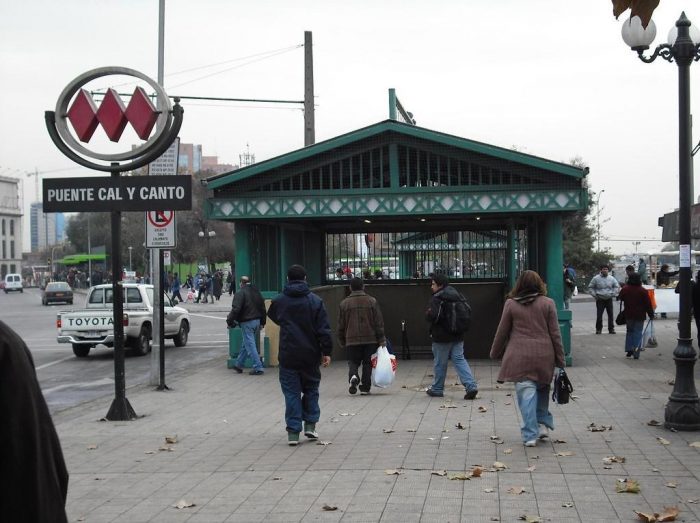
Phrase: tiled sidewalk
x=232 y=462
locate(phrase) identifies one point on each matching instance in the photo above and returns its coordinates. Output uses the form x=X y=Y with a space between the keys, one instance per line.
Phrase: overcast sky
x=552 y=78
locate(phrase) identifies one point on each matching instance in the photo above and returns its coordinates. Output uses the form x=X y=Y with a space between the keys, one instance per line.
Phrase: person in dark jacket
x=305 y=343
x=445 y=344
x=663 y=277
x=248 y=310
x=34 y=479
x=637 y=305
x=360 y=331
x=695 y=299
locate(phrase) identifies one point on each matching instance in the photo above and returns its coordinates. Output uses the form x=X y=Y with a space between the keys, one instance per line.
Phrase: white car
x=13 y=282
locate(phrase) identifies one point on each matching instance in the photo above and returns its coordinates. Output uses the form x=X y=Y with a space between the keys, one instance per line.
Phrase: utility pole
x=309 y=118
x=597 y=205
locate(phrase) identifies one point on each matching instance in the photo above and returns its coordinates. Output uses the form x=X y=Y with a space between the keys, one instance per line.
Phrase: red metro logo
x=77 y=116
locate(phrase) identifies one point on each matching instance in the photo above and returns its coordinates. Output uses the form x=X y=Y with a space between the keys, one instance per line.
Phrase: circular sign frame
x=162 y=123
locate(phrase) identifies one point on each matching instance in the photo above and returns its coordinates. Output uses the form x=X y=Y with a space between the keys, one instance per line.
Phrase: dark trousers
x=600 y=306
x=361 y=354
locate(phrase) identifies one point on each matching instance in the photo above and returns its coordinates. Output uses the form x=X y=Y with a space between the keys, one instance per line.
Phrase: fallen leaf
x=488 y=490
x=565 y=453
x=347 y=413
x=663 y=441
x=695 y=444
x=183 y=504
x=568 y=504
x=276 y=478
x=438 y=473
x=607 y=467
x=559 y=441
x=629 y=486
x=655 y=470
x=445 y=406
x=410 y=430
x=599 y=428
x=329 y=508
x=431 y=439
x=509 y=394
x=530 y=519
x=388 y=431
x=476 y=472
x=516 y=490
x=166 y=448
x=224 y=420
x=482 y=408
x=508 y=451
x=643 y=516
x=647 y=397
x=531 y=468
x=692 y=500
x=324 y=443
x=613 y=459
x=171 y=439
x=91 y=447
x=462 y=476
x=445 y=437
x=460 y=426
x=149 y=452
x=669 y=514
x=334 y=420
x=604 y=357
x=499 y=466
x=653 y=423
x=393 y=472
x=671 y=484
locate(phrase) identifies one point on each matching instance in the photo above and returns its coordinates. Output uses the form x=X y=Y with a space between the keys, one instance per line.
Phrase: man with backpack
x=449 y=316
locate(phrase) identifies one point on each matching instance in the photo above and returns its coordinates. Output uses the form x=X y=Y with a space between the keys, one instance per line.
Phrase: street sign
x=128 y=193
x=166 y=163
x=166 y=258
x=160 y=229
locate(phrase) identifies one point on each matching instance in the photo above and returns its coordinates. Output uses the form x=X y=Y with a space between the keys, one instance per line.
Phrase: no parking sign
x=160 y=229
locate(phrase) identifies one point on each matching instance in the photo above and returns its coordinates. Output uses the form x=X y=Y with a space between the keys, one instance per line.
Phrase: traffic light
x=48 y=261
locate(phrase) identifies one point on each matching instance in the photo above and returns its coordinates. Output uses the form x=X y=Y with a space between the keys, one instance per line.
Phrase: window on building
x=3 y=226
x=4 y=250
x=12 y=249
x=12 y=227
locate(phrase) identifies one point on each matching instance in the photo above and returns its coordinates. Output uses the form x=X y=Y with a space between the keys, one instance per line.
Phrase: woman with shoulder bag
x=637 y=307
x=529 y=341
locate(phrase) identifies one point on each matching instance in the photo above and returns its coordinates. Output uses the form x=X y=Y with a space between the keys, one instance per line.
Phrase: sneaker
x=431 y=392
x=629 y=354
x=611 y=332
x=544 y=432
x=471 y=394
x=238 y=369
x=636 y=353
x=531 y=443
x=310 y=430
x=598 y=332
x=292 y=439
x=256 y=372
x=364 y=393
x=353 y=384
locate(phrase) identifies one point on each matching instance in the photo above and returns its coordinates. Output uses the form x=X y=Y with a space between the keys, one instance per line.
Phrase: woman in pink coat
x=529 y=341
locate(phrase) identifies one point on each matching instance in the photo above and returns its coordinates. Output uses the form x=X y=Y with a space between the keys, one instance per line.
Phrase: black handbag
x=562 y=388
x=621 y=318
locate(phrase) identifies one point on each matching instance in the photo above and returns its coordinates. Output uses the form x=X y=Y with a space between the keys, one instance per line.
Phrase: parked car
x=93 y=325
x=57 y=291
x=13 y=282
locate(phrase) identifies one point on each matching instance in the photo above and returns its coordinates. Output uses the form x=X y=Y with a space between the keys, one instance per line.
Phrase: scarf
x=527 y=299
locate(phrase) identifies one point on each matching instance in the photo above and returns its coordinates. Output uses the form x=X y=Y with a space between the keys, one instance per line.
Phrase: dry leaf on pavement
x=692 y=500
x=482 y=408
x=462 y=476
x=564 y=453
x=388 y=431
x=438 y=473
x=663 y=441
x=499 y=466
x=568 y=504
x=166 y=448
x=669 y=514
x=653 y=423
x=531 y=468
x=599 y=428
x=613 y=459
x=446 y=406
x=171 y=439
x=149 y=452
x=347 y=413
x=183 y=504
x=671 y=484
x=508 y=451
x=329 y=508
x=516 y=490
x=460 y=426
x=695 y=444
x=476 y=472
x=396 y=472
x=324 y=443
x=629 y=486
x=488 y=490
x=91 y=447
x=530 y=519
x=559 y=441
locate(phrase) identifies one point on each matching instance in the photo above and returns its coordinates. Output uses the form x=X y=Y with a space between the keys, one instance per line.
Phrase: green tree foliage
x=579 y=239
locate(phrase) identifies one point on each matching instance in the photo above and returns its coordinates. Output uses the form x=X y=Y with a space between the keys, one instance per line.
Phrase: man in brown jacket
x=361 y=331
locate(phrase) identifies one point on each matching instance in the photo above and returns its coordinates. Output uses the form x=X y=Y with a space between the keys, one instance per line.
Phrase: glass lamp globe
x=635 y=35
x=693 y=31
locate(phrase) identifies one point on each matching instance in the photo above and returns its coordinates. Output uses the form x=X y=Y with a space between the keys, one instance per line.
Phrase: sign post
x=74 y=120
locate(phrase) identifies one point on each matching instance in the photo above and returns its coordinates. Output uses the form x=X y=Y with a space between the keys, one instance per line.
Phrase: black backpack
x=455 y=316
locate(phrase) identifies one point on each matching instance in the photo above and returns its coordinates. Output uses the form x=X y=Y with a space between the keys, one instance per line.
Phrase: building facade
x=46 y=229
x=10 y=227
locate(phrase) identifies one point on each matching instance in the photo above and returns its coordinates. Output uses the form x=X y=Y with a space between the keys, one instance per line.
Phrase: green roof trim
x=224 y=179
x=74 y=259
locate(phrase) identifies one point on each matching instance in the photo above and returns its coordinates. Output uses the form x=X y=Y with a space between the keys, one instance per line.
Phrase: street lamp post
x=683 y=407
x=597 y=207
x=130 y=268
x=206 y=234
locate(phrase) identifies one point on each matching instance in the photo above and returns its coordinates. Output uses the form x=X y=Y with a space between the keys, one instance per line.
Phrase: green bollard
x=235 y=338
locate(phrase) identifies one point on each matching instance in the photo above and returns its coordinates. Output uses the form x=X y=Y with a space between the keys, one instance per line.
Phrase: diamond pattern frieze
x=111 y=115
x=82 y=115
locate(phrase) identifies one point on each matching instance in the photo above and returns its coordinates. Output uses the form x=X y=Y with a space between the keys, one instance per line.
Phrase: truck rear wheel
x=180 y=338
x=142 y=345
x=81 y=351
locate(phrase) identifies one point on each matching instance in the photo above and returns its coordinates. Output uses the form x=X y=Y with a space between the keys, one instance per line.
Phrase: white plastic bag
x=649 y=336
x=383 y=368
x=575 y=293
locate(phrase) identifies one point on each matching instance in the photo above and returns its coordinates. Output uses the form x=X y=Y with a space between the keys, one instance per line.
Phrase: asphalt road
x=68 y=381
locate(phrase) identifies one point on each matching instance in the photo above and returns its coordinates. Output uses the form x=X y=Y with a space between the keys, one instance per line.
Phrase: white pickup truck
x=93 y=325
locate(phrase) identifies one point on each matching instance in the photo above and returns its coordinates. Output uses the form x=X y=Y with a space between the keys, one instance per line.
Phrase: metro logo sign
x=85 y=116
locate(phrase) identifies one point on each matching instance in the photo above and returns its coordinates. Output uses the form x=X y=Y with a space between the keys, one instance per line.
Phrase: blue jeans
x=441 y=353
x=300 y=389
x=248 y=347
x=533 y=401
x=633 y=339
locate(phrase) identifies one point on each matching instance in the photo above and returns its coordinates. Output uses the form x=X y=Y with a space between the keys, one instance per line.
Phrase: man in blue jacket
x=305 y=344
